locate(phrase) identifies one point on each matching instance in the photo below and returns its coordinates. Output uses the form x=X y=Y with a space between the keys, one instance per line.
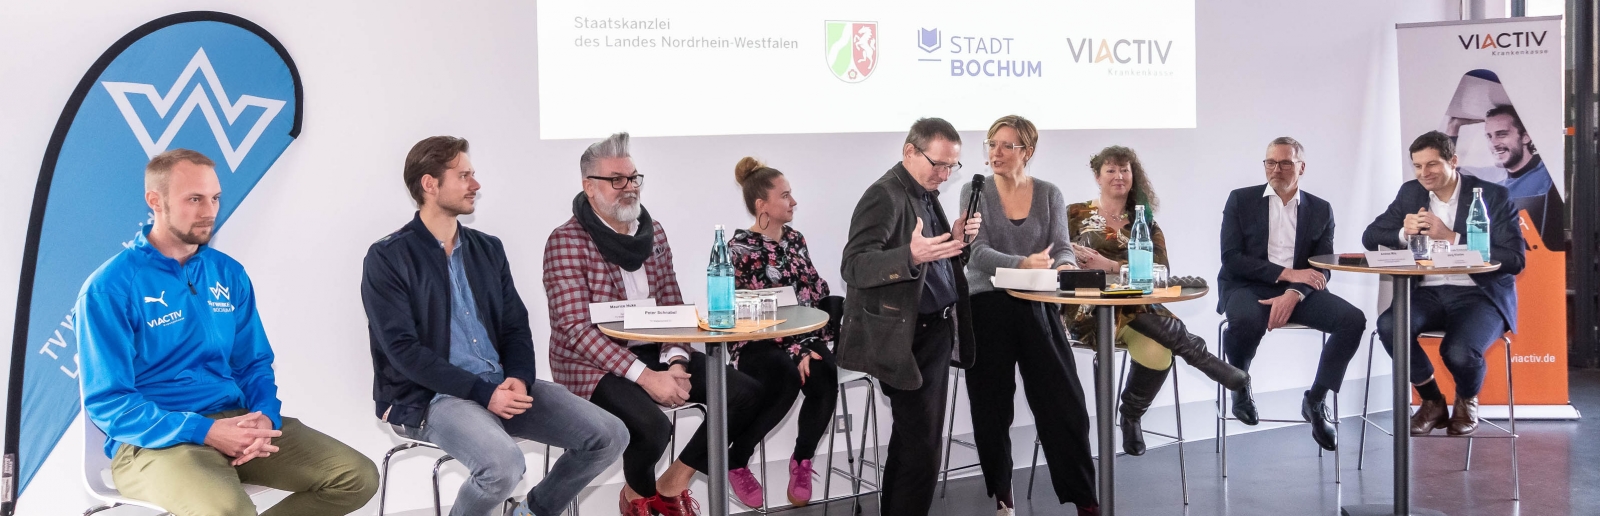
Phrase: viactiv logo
x=1519 y=39
x=850 y=49
x=206 y=81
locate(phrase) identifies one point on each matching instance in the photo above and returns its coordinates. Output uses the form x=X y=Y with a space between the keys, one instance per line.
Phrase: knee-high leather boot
x=1143 y=385
x=1170 y=332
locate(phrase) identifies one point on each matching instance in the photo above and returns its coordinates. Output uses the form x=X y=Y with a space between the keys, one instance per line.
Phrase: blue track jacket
x=163 y=344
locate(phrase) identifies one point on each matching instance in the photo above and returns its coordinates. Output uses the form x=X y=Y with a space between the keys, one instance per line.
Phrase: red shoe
x=681 y=505
x=638 y=507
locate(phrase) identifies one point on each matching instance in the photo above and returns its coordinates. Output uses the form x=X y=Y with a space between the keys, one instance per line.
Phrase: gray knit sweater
x=1002 y=243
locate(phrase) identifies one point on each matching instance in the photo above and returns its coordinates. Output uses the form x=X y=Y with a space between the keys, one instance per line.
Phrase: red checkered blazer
x=575 y=274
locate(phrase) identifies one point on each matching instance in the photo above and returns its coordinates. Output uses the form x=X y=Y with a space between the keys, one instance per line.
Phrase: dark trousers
x=779 y=376
x=1013 y=333
x=1471 y=324
x=650 y=429
x=1321 y=310
x=912 y=469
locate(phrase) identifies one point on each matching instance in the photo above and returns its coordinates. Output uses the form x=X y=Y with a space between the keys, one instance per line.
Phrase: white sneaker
x=1006 y=512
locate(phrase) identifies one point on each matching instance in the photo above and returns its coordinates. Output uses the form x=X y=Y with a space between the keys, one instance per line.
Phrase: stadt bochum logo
x=197 y=99
x=850 y=49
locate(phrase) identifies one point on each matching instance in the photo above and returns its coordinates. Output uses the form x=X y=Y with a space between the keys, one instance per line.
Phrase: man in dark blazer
x=1269 y=234
x=1474 y=310
x=906 y=315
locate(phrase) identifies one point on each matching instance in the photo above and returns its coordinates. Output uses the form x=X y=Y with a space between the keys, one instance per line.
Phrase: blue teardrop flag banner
x=206 y=81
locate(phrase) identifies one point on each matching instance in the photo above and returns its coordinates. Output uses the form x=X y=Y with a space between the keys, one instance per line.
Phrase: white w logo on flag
x=197 y=99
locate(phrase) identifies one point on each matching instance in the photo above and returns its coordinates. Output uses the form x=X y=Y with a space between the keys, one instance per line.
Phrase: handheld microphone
x=972 y=203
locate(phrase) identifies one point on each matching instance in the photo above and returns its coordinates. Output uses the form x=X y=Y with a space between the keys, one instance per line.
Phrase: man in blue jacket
x=1474 y=310
x=178 y=373
x=452 y=352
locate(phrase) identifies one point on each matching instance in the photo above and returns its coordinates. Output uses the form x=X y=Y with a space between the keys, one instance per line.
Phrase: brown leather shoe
x=1465 y=419
x=1431 y=415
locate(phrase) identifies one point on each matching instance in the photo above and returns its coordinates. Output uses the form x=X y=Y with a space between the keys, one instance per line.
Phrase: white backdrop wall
x=379 y=76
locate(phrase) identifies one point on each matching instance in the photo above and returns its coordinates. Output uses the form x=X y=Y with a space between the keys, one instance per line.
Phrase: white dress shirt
x=1446 y=211
x=636 y=285
x=1283 y=219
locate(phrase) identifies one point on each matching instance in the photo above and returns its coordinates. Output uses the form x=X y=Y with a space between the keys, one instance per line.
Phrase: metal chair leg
x=1177 y=409
x=764 y=484
x=383 y=477
x=1222 y=404
x=1338 y=459
x=1511 y=408
x=949 y=437
x=877 y=465
x=437 y=505
x=1033 y=470
x=1366 y=399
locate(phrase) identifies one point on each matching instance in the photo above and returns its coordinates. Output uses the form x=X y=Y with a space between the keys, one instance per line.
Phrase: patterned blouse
x=1089 y=229
x=759 y=262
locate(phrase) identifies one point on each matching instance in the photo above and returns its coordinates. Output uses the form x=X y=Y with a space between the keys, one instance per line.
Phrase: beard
x=626 y=209
x=459 y=206
x=1513 y=155
x=199 y=233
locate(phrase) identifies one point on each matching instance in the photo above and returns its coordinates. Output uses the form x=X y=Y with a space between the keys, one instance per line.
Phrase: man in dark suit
x=1474 y=310
x=907 y=306
x=1269 y=234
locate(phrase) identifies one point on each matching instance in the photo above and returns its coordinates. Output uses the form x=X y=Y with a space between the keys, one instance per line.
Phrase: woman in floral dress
x=772 y=254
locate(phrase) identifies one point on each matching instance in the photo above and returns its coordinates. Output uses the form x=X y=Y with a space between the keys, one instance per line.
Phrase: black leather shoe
x=1244 y=407
x=1322 y=429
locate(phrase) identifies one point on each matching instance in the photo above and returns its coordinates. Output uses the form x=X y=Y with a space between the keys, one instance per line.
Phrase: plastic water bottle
x=719 y=286
x=1478 y=225
x=1141 y=254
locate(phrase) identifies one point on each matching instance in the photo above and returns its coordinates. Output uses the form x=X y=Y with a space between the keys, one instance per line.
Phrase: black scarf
x=628 y=252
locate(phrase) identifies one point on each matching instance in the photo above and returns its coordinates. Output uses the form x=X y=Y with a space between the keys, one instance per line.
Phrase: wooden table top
x=1067 y=298
x=1331 y=262
x=797 y=320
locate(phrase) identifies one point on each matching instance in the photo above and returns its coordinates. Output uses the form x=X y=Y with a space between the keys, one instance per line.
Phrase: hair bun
x=746 y=166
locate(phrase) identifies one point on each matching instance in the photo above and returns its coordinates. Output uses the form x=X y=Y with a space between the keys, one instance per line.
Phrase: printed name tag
x=1458 y=258
x=1400 y=258
x=612 y=312
x=786 y=295
x=645 y=317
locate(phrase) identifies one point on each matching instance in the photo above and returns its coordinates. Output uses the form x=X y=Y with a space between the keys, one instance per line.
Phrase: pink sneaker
x=746 y=487
x=800 y=482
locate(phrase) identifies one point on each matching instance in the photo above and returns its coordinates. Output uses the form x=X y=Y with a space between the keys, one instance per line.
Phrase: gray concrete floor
x=1278 y=472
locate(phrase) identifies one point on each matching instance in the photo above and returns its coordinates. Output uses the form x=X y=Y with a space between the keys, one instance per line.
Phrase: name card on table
x=786 y=296
x=612 y=311
x=646 y=317
x=1457 y=258
x=1026 y=279
x=1400 y=258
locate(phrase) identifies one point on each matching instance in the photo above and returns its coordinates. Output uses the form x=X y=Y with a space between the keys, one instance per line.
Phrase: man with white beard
x=611 y=250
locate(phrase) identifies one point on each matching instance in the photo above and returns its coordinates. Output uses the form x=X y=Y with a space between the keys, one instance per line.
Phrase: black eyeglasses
x=620 y=182
x=940 y=167
x=1280 y=165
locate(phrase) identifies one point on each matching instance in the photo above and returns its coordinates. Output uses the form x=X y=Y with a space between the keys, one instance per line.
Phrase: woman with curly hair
x=1150 y=333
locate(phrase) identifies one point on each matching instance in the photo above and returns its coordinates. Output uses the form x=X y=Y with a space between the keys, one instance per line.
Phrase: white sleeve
x=634 y=371
x=673 y=352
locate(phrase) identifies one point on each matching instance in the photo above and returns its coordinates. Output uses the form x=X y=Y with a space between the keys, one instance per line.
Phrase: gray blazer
x=884 y=289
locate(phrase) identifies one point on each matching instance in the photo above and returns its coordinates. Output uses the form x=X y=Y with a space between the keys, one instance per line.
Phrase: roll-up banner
x=205 y=81
x=1495 y=86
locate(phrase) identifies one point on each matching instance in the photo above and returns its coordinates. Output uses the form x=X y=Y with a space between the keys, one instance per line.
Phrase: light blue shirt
x=470 y=347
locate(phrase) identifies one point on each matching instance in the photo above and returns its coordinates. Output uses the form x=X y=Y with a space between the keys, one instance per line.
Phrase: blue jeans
x=486 y=445
x=1471 y=324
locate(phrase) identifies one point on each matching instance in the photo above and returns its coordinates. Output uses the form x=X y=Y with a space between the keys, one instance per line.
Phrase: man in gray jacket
x=906 y=315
